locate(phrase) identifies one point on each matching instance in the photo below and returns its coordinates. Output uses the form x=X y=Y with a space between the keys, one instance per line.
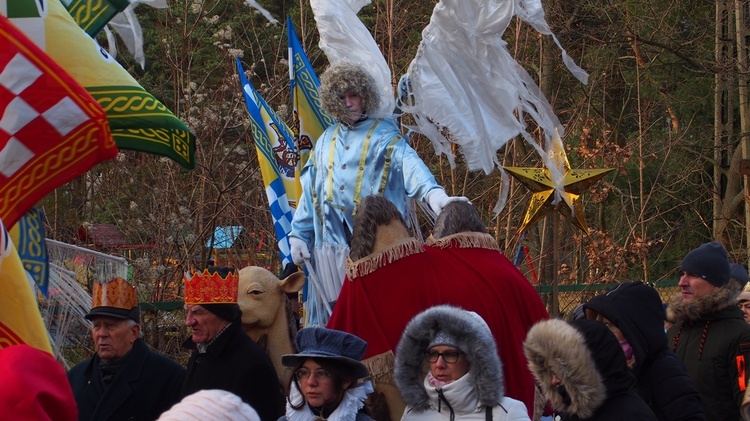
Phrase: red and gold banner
x=51 y=129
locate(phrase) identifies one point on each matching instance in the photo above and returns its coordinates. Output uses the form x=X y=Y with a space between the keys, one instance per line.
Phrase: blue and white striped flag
x=277 y=159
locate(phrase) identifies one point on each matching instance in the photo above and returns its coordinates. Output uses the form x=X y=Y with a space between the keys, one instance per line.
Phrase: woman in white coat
x=447 y=368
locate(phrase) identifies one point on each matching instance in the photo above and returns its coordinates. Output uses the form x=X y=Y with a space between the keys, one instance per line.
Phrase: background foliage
x=648 y=112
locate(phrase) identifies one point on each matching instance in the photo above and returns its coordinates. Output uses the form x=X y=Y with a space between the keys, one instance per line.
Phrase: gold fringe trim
x=464 y=240
x=381 y=367
x=373 y=262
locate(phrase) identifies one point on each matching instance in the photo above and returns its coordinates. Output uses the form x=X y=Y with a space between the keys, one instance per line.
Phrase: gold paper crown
x=117 y=293
x=211 y=288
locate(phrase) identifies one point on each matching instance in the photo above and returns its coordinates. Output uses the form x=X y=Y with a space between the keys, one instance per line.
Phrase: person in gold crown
x=125 y=379
x=223 y=356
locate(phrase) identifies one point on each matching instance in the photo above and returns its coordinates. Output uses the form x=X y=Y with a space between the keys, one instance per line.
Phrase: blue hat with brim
x=329 y=344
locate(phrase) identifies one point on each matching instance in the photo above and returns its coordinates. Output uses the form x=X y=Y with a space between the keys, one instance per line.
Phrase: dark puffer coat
x=661 y=378
x=711 y=337
x=590 y=364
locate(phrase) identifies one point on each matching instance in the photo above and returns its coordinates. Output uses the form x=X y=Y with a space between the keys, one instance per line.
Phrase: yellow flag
x=20 y=320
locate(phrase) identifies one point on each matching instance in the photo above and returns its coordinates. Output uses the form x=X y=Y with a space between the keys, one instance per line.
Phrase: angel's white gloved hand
x=437 y=199
x=299 y=251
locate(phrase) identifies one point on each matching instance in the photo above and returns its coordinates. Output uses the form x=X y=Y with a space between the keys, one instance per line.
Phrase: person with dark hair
x=362 y=154
x=634 y=312
x=329 y=381
x=223 y=356
x=447 y=368
x=709 y=334
x=581 y=371
x=125 y=379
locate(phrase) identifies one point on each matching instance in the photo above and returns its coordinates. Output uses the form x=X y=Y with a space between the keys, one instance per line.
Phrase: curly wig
x=342 y=77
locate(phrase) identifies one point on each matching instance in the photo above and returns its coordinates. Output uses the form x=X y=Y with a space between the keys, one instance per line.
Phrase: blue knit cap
x=739 y=274
x=710 y=262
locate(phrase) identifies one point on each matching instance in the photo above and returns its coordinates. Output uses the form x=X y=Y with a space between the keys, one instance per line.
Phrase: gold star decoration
x=540 y=182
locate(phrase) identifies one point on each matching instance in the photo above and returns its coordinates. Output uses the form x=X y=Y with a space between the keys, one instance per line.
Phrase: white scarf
x=354 y=400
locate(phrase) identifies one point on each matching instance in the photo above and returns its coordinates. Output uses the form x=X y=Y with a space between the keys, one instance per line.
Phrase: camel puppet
x=391 y=281
x=267 y=313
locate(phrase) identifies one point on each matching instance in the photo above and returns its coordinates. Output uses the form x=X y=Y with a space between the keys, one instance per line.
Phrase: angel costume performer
x=352 y=159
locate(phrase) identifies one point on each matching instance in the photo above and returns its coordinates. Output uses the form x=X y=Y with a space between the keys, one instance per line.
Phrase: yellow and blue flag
x=28 y=237
x=20 y=320
x=277 y=159
x=310 y=120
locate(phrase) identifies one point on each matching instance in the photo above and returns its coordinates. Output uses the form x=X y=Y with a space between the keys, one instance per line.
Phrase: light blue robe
x=346 y=165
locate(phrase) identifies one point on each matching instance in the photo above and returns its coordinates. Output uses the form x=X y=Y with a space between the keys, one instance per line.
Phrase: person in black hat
x=223 y=356
x=125 y=379
x=709 y=334
x=329 y=381
x=738 y=274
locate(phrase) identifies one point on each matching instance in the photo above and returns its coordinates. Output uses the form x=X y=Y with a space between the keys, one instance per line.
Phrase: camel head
x=262 y=298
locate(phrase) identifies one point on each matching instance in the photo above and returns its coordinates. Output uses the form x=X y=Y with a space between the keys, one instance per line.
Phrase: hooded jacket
x=470 y=397
x=711 y=337
x=661 y=378
x=596 y=383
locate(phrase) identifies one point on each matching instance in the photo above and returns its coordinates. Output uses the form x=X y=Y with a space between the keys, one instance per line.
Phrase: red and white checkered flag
x=51 y=129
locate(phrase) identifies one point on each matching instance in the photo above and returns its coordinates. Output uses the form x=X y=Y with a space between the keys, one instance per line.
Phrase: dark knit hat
x=738 y=273
x=228 y=312
x=710 y=262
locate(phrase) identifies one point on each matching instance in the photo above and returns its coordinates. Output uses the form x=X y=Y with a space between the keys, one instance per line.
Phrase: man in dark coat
x=223 y=356
x=124 y=380
x=634 y=311
x=709 y=333
x=581 y=371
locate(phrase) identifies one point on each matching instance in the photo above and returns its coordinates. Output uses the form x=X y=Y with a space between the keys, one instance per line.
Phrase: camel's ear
x=293 y=283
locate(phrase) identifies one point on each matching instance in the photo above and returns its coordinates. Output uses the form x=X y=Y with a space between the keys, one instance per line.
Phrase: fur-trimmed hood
x=700 y=308
x=474 y=338
x=345 y=76
x=587 y=359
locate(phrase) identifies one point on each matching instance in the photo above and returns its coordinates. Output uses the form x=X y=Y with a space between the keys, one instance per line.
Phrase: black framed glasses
x=320 y=375
x=448 y=356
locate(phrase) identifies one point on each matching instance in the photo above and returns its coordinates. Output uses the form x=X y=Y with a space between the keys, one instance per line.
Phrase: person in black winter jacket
x=709 y=334
x=635 y=312
x=580 y=370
